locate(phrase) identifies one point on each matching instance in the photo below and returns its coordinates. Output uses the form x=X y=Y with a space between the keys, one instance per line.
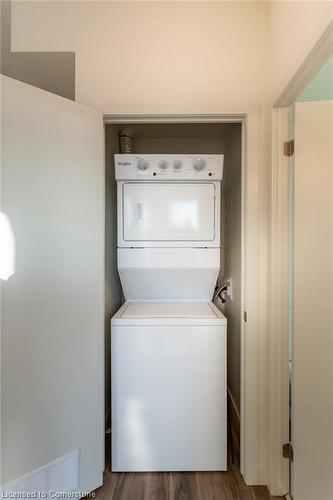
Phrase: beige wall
x=52 y=71
x=173 y=56
x=153 y=56
x=294 y=28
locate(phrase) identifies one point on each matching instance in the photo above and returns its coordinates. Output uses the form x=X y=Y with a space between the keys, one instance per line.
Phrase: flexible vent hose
x=126 y=141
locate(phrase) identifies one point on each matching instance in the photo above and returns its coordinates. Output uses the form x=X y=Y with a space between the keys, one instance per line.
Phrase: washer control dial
x=142 y=164
x=163 y=164
x=199 y=164
x=177 y=164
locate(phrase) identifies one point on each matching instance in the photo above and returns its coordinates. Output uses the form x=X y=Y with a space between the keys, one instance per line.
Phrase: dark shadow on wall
x=51 y=71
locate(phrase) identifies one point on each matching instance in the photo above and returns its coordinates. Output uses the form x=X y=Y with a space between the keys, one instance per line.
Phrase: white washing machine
x=168 y=340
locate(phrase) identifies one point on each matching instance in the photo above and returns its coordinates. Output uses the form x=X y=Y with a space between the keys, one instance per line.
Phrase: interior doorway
x=301 y=253
x=209 y=134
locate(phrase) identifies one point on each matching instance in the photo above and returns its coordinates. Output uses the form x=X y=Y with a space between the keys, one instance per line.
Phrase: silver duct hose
x=126 y=141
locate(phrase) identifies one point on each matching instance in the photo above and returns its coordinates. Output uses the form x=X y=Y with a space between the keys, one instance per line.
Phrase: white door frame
x=252 y=287
x=279 y=353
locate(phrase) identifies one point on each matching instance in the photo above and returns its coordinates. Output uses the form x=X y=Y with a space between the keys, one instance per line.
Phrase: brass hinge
x=287 y=451
x=289 y=148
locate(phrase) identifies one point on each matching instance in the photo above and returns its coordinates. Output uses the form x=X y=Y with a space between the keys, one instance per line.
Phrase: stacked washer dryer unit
x=168 y=339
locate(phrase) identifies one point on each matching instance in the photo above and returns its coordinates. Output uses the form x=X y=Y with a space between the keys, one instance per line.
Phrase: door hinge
x=245 y=316
x=289 y=148
x=287 y=451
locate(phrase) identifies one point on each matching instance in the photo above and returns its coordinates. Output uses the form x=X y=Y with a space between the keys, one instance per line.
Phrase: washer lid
x=168 y=313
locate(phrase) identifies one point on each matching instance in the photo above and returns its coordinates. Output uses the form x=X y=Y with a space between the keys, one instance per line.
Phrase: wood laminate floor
x=183 y=485
x=180 y=486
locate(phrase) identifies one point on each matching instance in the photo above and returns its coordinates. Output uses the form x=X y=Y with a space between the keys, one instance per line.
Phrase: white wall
x=312 y=379
x=52 y=308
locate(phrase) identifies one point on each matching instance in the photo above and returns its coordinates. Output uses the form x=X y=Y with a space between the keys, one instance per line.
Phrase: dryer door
x=168 y=213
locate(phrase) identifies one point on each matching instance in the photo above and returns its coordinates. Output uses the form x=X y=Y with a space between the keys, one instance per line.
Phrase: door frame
x=253 y=204
x=279 y=472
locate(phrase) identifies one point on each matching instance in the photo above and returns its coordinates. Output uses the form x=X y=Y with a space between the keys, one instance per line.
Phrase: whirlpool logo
x=124 y=163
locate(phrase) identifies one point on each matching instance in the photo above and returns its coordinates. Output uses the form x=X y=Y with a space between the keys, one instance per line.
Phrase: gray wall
x=201 y=138
x=113 y=291
x=51 y=71
x=232 y=256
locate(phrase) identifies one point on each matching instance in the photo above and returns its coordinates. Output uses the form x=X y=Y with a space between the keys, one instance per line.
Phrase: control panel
x=168 y=167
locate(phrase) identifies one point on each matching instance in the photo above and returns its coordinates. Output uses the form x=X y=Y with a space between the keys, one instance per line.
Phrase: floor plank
x=159 y=486
x=262 y=493
x=183 y=486
x=222 y=485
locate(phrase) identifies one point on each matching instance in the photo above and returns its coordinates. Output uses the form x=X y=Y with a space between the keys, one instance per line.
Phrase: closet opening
x=200 y=139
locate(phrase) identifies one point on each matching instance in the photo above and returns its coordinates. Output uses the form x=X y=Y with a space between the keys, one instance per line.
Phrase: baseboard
x=234 y=416
x=61 y=475
x=279 y=489
x=262 y=476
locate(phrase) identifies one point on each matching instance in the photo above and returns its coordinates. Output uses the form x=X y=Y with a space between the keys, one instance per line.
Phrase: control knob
x=177 y=164
x=199 y=164
x=163 y=164
x=142 y=164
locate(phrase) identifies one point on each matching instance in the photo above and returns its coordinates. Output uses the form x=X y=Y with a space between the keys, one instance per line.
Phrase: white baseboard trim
x=60 y=476
x=278 y=489
x=262 y=475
